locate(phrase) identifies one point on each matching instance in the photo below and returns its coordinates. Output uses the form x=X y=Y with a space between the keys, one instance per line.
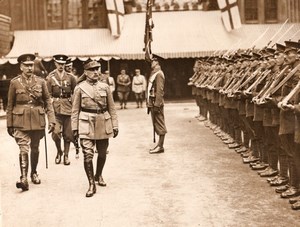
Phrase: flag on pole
x=148 y=31
x=230 y=14
x=115 y=11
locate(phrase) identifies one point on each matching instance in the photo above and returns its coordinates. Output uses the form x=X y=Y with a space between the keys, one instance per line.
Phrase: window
x=271 y=10
x=54 y=14
x=96 y=14
x=251 y=11
x=74 y=14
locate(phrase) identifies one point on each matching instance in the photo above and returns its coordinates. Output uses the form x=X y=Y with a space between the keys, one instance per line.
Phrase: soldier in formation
x=251 y=101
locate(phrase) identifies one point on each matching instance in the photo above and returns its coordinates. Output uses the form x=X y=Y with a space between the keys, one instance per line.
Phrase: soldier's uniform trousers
x=158 y=120
x=28 y=140
x=63 y=128
x=88 y=149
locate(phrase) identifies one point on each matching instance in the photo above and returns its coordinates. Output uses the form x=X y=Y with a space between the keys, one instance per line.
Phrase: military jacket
x=156 y=89
x=93 y=111
x=287 y=117
x=28 y=101
x=61 y=89
x=123 y=82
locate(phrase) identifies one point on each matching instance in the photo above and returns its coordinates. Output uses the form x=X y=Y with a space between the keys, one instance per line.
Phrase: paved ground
x=198 y=181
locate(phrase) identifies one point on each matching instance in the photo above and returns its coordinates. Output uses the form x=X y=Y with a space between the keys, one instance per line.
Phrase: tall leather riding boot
x=89 y=170
x=59 y=151
x=23 y=183
x=99 y=168
x=66 y=153
x=34 y=159
x=141 y=104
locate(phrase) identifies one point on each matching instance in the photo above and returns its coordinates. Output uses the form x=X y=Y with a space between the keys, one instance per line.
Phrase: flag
x=230 y=14
x=115 y=11
x=148 y=31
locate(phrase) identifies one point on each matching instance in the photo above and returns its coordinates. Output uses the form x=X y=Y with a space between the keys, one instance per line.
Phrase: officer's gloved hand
x=75 y=133
x=156 y=109
x=51 y=127
x=10 y=131
x=116 y=132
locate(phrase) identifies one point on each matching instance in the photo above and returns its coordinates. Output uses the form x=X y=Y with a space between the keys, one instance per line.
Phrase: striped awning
x=183 y=34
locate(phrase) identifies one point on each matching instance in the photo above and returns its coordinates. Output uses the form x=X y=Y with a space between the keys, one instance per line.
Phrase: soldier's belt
x=97 y=111
x=63 y=96
x=30 y=103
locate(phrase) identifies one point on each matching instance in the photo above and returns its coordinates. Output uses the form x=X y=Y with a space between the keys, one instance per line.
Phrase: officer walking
x=94 y=121
x=155 y=103
x=61 y=85
x=28 y=100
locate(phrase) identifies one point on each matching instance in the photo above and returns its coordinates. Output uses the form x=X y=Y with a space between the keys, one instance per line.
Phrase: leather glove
x=75 y=133
x=10 y=131
x=51 y=127
x=156 y=109
x=116 y=132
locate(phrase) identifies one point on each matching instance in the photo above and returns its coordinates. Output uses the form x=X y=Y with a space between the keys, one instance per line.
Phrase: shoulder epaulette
x=16 y=77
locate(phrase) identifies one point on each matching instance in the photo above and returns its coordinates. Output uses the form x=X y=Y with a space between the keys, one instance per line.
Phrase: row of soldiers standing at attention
x=252 y=102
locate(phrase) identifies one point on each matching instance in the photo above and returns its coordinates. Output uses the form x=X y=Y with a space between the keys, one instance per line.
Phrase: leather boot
x=34 y=159
x=98 y=175
x=66 y=153
x=89 y=170
x=59 y=152
x=23 y=183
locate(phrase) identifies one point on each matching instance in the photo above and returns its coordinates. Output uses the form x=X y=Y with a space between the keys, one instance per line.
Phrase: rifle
x=292 y=93
x=236 y=85
x=261 y=77
x=271 y=40
x=266 y=94
x=253 y=75
x=285 y=79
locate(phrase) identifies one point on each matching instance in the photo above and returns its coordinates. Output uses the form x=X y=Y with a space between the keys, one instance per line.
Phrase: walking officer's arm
x=76 y=108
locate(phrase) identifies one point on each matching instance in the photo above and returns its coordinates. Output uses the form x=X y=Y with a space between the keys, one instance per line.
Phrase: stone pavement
x=198 y=181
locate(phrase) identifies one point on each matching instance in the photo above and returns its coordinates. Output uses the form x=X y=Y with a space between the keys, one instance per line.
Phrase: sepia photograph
x=149 y=113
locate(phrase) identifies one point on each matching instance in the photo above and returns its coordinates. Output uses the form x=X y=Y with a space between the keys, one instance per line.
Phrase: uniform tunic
x=93 y=126
x=28 y=101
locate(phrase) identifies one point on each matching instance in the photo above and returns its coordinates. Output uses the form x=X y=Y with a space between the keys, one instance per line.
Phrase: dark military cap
x=246 y=56
x=60 y=58
x=157 y=58
x=255 y=56
x=90 y=64
x=270 y=50
x=26 y=58
x=279 y=48
x=69 y=62
x=292 y=46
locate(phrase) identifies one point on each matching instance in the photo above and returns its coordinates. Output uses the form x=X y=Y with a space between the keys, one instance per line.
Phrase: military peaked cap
x=279 y=48
x=60 y=58
x=26 y=58
x=292 y=46
x=156 y=57
x=69 y=62
x=91 y=64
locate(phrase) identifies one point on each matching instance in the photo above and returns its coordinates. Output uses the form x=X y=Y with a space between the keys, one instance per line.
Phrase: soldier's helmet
x=26 y=58
x=60 y=58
